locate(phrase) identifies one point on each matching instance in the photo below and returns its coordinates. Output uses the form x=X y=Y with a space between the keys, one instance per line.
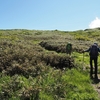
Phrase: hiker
x=69 y=48
x=93 y=52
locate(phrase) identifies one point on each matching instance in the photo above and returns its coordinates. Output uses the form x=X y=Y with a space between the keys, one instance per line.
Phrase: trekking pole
x=83 y=62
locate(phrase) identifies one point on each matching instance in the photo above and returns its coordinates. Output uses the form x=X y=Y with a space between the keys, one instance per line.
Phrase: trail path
x=96 y=85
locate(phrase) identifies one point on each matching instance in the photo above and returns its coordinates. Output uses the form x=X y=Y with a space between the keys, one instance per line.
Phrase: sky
x=65 y=15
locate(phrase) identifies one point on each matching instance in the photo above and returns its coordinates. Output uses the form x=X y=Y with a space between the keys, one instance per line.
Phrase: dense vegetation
x=34 y=65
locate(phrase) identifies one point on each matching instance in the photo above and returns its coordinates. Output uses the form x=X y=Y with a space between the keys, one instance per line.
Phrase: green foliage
x=79 y=83
x=84 y=38
x=52 y=84
x=30 y=61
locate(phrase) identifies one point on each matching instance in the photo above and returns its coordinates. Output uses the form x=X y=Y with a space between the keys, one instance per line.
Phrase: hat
x=96 y=43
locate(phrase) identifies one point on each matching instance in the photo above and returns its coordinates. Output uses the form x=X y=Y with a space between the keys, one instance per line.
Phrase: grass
x=28 y=70
x=51 y=85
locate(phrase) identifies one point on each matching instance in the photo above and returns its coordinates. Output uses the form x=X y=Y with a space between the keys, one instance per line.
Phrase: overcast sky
x=64 y=15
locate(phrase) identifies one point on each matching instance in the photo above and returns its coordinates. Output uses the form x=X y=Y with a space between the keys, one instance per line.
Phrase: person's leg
x=91 y=68
x=96 y=67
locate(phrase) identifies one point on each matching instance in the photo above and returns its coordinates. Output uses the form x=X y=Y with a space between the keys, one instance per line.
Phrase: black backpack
x=94 y=51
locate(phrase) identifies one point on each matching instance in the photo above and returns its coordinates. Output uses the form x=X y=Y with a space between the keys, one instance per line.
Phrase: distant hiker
x=93 y=52
x=69 y=48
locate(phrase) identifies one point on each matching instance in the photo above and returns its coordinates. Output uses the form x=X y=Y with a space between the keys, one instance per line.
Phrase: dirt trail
x=96 y=85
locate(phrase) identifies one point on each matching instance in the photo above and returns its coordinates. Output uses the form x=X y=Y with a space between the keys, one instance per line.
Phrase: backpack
x=69 y=47
x=94 y=51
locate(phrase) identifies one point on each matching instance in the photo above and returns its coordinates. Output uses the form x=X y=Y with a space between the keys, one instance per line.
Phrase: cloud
x=95 y=23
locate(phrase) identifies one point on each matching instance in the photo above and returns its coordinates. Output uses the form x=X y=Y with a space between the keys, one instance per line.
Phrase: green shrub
x=30 y=71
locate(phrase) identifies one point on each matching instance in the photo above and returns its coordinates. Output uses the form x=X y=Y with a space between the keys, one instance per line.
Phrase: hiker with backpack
x=69 y=48
x=93 y=52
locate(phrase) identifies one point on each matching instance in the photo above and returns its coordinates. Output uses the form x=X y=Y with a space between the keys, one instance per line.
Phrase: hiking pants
x=95 y=66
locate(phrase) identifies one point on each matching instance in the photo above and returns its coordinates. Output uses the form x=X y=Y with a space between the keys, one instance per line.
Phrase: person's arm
x=87 y=50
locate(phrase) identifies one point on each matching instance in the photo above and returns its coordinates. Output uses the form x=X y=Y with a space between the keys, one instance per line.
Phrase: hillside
x=34 y=65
